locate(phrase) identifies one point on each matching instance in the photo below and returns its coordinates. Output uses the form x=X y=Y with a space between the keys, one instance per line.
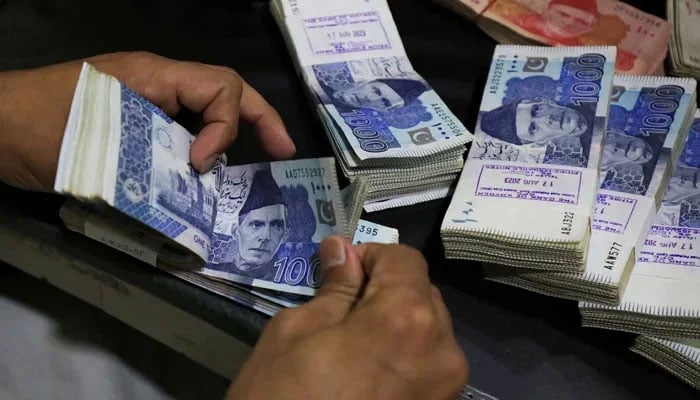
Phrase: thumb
x=343 y=279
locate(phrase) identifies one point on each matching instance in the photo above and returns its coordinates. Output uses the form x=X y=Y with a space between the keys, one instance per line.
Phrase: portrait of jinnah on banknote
x=568 y=23
x=263 y=225
x=629 y=156
x=388 y=87
x=536 y=123
x=681 y=203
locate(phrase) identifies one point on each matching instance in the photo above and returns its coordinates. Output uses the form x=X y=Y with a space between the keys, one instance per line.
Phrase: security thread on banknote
x=529 y=183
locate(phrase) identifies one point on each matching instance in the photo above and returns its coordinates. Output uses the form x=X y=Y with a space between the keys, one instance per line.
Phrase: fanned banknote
x=257 y=224
x=641 y=38
x=527 y=192
x=383 y=120
x=648 y=124
x=684 y=56
x=270 y=221
x=662 y=297
x=679 y=356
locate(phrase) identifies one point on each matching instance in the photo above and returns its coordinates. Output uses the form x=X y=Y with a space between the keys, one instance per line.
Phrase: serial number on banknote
x=566 y=222
x=298 y=173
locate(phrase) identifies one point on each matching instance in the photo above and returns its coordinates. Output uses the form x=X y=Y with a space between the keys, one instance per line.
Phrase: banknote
x=641 y=38
x=385 y=109
x=537 y=146
x=351 y=55
x=139 y=164
x=679 y=356
x=665 y=278
x=648 y=124
x=370 y=232
x=648 y=121
x=270 y=220
x=685 y=40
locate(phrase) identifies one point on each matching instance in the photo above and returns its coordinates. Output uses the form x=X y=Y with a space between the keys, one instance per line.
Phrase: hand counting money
x=257 y=224
x=648 y=124
x=527 y=192
x=382 y=118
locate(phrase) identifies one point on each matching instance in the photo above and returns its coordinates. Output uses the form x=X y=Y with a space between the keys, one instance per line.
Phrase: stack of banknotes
x=641 y=38
x=250 y=228
x=681 y=357
x=662 y=297
x=527 y=192
x=649 y=120
x=684 y=17
x=383 y=120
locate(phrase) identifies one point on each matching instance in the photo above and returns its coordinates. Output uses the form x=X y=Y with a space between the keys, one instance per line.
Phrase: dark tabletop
x=520 y=345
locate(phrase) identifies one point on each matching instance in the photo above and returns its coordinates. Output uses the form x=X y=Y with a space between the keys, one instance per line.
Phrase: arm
x=34 y=108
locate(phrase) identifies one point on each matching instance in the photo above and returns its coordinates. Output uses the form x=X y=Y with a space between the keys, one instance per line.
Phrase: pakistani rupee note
x=271 y=218
x=532 y=172
x=352 y=57
x=641 y=39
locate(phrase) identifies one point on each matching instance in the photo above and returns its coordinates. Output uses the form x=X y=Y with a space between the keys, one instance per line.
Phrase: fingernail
x=332 y=252
x=209 y=163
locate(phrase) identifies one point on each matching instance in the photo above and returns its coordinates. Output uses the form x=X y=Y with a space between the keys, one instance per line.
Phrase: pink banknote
x=641 y=38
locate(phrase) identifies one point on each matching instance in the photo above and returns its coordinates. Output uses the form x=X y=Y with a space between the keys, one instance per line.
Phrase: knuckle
x=416 y=321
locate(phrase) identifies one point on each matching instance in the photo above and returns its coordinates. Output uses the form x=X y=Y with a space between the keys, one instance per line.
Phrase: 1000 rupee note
x=532 y=171
x=662 y=293
x=351 y=56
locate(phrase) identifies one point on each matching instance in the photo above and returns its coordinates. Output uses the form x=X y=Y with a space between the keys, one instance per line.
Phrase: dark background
x=520 y=345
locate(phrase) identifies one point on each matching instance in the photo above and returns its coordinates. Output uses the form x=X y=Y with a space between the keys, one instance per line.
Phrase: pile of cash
x=641 y=38
x=681 y=357
x=383 y=120
x=527 y=192
x=684 y=17
x=662 y=297
x=638 y=159
x=249 y=231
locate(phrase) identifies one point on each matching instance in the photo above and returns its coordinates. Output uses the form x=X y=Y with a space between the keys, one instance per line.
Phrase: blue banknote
x=644 y=122
x=271 y=218
x=545 y=106
x=681 y=203
x=384 y=108
x=155 y=183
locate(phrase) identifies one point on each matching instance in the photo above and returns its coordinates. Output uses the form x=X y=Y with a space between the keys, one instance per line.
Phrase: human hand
x=386 y=337
x=34 y=106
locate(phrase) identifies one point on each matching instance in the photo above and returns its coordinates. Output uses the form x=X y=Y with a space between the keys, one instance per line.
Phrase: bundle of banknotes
x=383 y=120
x=249 y=228
x=527 y=192
x=684 y=57
x=662 y=297
x=637 y=162
x=681 y=357
x=641 y=38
